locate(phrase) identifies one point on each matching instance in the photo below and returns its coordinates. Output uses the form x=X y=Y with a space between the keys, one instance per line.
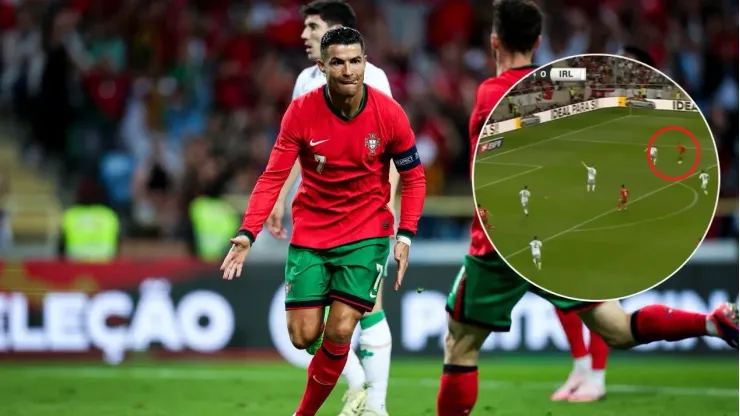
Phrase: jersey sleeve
x=402 y=149
x=266 y=191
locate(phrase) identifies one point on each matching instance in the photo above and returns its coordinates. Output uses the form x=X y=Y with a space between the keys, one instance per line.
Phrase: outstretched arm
x=273 y=180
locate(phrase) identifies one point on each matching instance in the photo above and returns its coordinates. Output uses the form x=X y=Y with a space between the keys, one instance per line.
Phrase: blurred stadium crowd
x=147 y=104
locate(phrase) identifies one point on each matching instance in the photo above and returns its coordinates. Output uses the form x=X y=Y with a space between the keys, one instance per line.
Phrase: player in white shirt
x=375 y=335
x=704 y=177
x=536 y=246
x=653 y=154
x=591 y=179
x=524 y=195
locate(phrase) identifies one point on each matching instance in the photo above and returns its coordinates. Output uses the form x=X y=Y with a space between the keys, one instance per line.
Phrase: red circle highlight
x=696 y=160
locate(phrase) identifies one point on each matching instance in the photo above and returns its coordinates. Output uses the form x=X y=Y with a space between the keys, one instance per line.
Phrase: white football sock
x=598 y=377
x=375 y=350
x=583 y=364
x=353 y=371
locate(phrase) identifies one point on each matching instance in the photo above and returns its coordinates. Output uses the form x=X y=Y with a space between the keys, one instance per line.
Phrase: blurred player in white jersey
x=536 y=246
x=375 y=335
x=591 y=181
x=704 y=177
x=653 y=154
x=524 y=194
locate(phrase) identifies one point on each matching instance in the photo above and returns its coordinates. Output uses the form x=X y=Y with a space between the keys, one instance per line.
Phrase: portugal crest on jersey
x=372 y=142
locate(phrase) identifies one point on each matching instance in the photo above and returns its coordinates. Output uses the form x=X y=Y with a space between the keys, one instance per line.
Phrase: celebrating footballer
x=345 y=135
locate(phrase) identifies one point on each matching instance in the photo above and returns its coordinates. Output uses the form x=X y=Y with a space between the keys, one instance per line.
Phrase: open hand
x=234 y=261
x=401 y=254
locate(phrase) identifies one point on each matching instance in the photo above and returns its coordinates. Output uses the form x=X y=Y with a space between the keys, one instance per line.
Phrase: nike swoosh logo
x=313 y=143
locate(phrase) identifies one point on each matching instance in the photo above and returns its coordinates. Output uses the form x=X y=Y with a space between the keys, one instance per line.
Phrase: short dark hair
x=639 y=54
x=333 y=12
x=341 y=36
x=518 y=23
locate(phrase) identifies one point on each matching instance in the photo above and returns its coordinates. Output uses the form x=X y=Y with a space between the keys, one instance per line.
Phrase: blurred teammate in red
x=681 y=153
x=624 y=195
x=483 y=214
x=486 y=290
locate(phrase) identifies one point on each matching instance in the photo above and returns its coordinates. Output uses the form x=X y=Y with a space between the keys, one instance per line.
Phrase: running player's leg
x=583 y=385
x=375 y=352
x=586 y=382
x=652 y=323
x=480 y=302
x=355 y=271
x=306 y=296
x=360 y=268
x=353 y=372
x=573 y=328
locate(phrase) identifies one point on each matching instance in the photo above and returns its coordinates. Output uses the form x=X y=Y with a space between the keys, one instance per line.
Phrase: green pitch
x=509 y=386
x=590 y=250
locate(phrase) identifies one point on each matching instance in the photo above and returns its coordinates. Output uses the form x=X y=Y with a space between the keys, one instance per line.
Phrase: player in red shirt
x=345 y=135
x=486 y=289
x=681 y=153
x=624 y=195
x=483 y=214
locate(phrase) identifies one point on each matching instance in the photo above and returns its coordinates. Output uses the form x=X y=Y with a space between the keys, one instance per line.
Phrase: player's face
x=344 y=66
x=313 y=29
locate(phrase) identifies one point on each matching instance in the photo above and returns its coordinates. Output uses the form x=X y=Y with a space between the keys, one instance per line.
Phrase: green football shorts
x=486 y=290
x=350 y=273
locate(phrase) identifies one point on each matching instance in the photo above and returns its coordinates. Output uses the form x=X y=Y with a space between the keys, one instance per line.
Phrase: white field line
x=532 y=169
x=511 y=164
x=550 y=139
x=200 y=374
x=662 y=217
x=575 y=227
x=705 y=149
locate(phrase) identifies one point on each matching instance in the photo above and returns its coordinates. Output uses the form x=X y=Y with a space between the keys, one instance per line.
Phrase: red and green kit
x=341 y=221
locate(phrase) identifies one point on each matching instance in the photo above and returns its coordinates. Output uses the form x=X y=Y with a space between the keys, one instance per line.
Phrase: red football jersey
x=344 y=189
x=624 y=193
x=681 y=148
x=488 y=95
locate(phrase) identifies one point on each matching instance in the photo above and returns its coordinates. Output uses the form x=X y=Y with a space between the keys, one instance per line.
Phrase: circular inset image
x=600 y=176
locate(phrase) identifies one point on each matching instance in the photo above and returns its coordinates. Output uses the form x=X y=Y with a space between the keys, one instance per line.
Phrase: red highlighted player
x=681 y=153
x=624 y=195
x=586 y=382
x=483 y=213
x=345 y=134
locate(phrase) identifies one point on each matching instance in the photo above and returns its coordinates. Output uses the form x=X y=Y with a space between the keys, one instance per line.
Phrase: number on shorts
x=376 y=285
x=321 y=160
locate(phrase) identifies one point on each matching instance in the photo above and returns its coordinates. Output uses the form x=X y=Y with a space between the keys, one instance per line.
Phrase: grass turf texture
x=590 y=250
x=512 y=385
